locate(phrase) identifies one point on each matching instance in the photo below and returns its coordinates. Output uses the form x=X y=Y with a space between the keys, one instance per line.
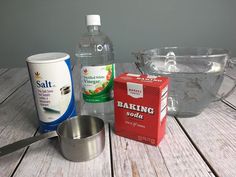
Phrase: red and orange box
x=140 y=103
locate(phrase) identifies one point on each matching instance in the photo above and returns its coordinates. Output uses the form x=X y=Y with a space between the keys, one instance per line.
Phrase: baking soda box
x=140 y=103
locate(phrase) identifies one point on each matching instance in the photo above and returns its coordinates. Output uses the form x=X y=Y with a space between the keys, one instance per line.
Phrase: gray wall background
x=34 y=26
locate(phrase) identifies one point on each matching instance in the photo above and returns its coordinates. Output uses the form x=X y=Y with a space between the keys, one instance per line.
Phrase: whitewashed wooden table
x=200 y=146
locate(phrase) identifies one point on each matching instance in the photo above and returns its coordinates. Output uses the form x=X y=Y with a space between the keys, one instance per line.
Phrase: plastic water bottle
x=97 y=70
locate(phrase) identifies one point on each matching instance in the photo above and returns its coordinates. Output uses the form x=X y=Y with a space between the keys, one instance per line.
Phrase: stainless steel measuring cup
x=80 y=138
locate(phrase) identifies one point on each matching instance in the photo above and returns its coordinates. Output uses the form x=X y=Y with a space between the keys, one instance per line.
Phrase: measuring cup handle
x=225 y=95
x=25 y=142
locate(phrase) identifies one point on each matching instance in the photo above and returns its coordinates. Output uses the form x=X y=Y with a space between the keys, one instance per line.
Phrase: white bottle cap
x=93 y=20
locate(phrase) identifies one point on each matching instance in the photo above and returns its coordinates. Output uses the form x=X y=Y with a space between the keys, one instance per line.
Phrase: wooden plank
x=3 y=70
x=180 y=156
x=231 y=70
x=11 y=81
x=131 y=158
x=228 y=84
x=214 y=134
x=232 y=99
x=175 y=156
x=47 y=161
x=18 y=120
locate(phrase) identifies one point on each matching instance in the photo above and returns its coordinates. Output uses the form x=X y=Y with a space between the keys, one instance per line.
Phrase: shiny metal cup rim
x=73 y=140
x=79 y=117
x=81 y=138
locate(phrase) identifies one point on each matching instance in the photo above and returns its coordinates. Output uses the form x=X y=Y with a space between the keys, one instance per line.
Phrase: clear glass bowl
x=196 y=75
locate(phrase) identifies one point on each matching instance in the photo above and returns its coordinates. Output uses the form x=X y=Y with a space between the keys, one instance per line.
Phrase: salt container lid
x=48 y=57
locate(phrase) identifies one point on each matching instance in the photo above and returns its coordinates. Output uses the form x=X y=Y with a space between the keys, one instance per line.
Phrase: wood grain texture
x=12 y=80
x=232 y=99
x=18 y=120
x=49 y=161
x=175 y=156
x=228 y=84
x=3 y=70
x=180 y=156
x=214 y=134
x=44 y=159
x=231 y=70
x=133 y=159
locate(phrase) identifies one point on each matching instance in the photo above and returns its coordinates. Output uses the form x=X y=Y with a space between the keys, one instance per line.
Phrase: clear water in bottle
x=96 y=65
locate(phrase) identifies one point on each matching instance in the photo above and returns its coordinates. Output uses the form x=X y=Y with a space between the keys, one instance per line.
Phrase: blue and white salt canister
x=52 y=85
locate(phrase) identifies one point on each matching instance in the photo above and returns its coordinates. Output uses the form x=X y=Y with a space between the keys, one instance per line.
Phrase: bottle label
x=97 y=83
x=53 y=92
